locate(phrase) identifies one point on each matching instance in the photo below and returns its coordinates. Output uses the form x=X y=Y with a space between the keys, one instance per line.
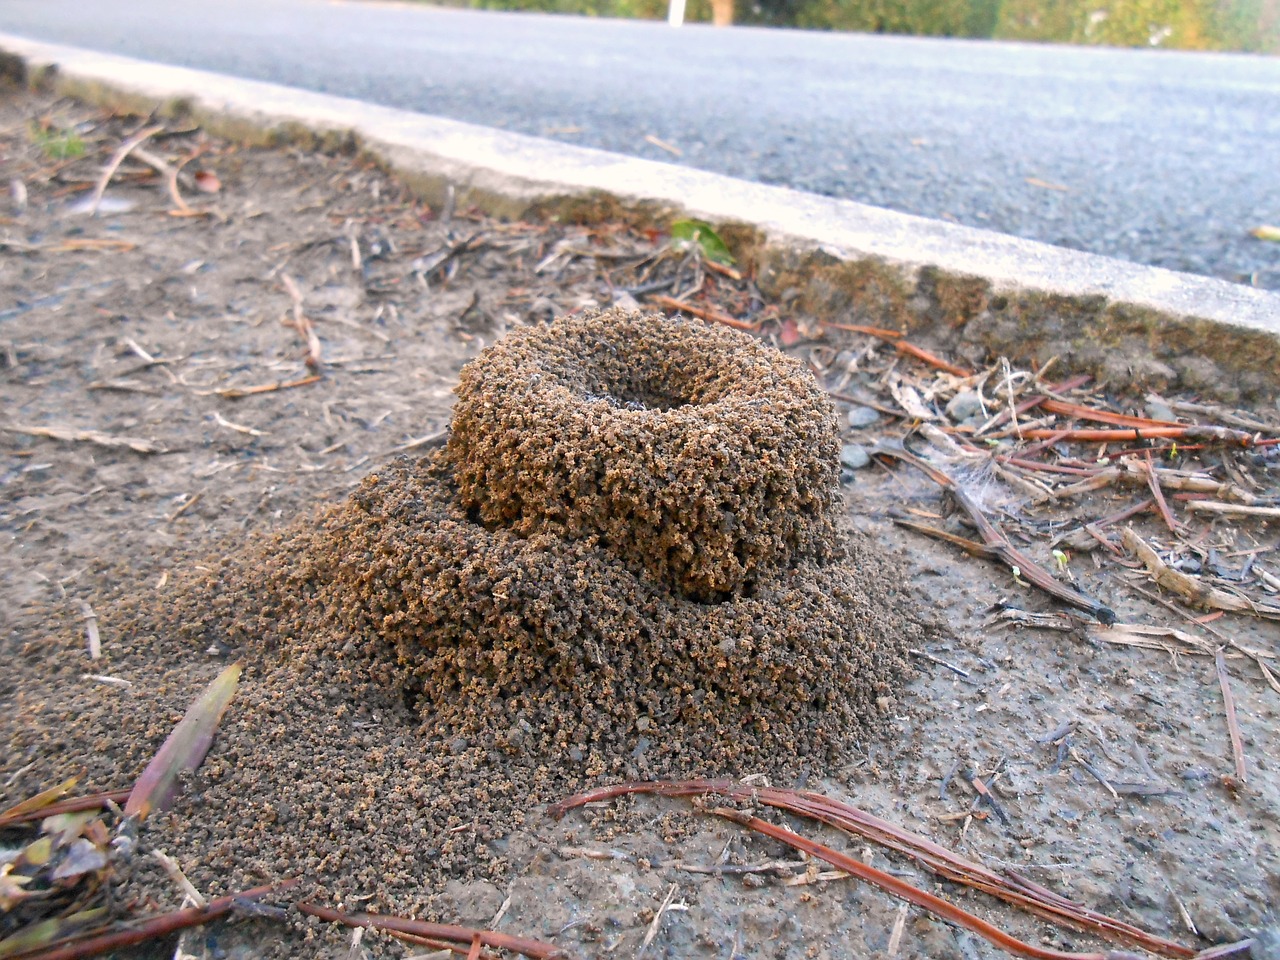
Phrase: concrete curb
x=971 y=291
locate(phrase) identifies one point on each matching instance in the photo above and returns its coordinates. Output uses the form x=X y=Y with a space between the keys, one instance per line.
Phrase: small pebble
x=1159 y=410
x=854 y=456
x=964 y=405
x=642 y=724
x=860 y=417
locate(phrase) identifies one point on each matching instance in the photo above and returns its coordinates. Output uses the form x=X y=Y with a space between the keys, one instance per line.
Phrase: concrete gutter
x=974 y=292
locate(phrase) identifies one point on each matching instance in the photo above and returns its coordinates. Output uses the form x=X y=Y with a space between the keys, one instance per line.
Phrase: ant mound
x=694 y=454
x=550 y=646
x=635 y=466
x=544 y=580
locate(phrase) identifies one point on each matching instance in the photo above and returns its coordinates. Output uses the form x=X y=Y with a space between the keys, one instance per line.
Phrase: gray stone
x=854 y=456
x=964 y=405
x=860 y=417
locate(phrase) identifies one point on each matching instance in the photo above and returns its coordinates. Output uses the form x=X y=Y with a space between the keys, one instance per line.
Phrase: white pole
x=675 y=13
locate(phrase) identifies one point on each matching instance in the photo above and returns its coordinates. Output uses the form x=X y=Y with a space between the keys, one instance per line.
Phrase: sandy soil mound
x=694 y=453
x=553 y=635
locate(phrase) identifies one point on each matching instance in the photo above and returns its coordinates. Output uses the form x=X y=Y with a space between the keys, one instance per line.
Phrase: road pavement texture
x=1159 y=157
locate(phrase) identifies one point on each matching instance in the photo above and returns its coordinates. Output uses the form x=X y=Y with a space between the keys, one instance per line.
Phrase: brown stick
x=920 y=353
x=904 y=890
x=234 y=393
x=1194 y=590
x=1080 y=412
x=880 y=332
x=1186 y=432
x=1013 y=889
x=151 y=928
x=170 y=174
x=703 y=313
x=302 y=323
x=1158 y=495
x=436 y=931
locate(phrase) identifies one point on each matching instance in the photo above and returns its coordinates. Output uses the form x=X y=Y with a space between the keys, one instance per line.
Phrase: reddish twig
x=920 y=353
x=437 y=931
x=1186 y=431
x=1081 y=412
x=1132 y=511
x=880 y=332
x=1015 y=890
x=904 y=890
x=97 y=943
x=1079 y=380
x=703 y=313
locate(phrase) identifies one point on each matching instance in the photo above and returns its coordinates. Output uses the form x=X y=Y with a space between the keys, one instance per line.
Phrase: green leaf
x=686 y=233
x=57 y=144
x=185 y=748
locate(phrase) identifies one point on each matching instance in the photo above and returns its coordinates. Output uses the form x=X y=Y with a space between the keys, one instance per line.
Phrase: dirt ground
x=191 y=438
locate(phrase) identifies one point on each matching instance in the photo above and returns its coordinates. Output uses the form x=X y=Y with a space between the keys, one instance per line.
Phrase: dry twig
x=117 y=158
x=70 y=435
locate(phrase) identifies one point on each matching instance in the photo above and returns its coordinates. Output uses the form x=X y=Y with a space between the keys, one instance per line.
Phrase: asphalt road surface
x=1159 y=157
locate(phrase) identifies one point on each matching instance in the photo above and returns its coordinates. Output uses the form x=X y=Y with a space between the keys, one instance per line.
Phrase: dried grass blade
x=87 y=436
x=113 y=164
x=39 y=802
x=1157 y=494
x=971 y=547
x=1232 y=509
x=1233 y=722
x=93 y=801
x=1028 y=568
x=185 y=748
x=235 y=393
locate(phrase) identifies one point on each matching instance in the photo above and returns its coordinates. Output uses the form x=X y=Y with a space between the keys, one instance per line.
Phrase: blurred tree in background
x=1186 y=24
x=1248 y=25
